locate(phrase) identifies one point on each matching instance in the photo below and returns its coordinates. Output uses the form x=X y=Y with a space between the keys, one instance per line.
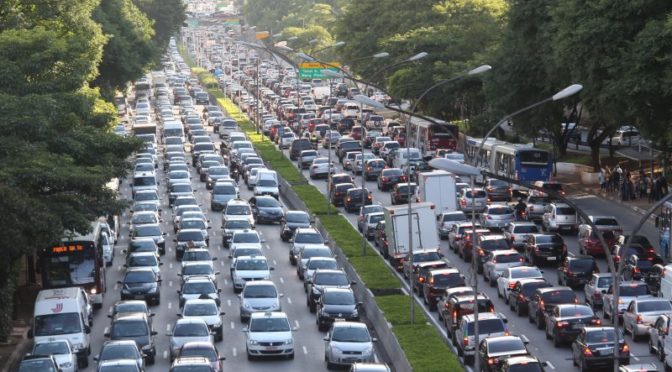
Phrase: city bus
x=431 y=136
x=78 y=261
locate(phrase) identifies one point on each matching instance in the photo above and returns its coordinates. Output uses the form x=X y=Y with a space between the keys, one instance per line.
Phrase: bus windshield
x=72 y=269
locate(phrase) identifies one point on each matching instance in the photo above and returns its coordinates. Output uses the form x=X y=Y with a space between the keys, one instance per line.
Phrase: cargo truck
x=423 y=230
x=438 y=187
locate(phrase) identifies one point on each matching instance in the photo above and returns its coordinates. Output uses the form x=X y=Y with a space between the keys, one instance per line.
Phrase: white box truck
x=423 y=230
x=438 y=187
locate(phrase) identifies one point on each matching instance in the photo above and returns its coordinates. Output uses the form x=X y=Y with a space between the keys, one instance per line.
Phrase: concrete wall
x=584 y=172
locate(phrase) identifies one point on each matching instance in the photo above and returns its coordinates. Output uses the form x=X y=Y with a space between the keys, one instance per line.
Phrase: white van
x=400 y=157
x=266 y=183
x=173 y=129
x=666 y=283
x=64 y=313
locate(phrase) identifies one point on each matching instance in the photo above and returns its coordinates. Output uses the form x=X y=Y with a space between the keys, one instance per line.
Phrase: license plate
x=551 y=258
x=140 y=297
x=577 y=325
x=272 y=348
x=607 y=351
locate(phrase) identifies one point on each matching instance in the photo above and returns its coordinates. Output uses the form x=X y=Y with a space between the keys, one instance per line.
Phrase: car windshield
x=494 y=244
x=509 y=258
x=37 y=365
x=144 y=181
x=500 y=211
x=238 y=210
x=392 y=172
x=605 y=282
x=266 y=183
x=447 y=280
x=321 y=264
x=502 y=346
x=269 y=325
x=529 y=288
x=197 y=270
x=244 y=237
x=298 y=218
x=252 y=264
x=525 y=229
x=130 y=328
x=477 y=194
x=198 y=287
x=559 y=297
x=224 y=189
x=633 y=290
x=192 y=224
x=267 y=202
x=206 y=352
x=181 y=188
x=528 y=272
x=218 y=171
x=237 y=224
x=525 y=367
x=487 y=326
x=130 y=307
x=128 y=351
x=191 y=330
x=575 y=311
x=599 y=336
x=605 y=221
x=331 y=279
x=661 y=305
x=311 y=238
x=145 y=260
x=119 y=368
x=145 y=196
x=426 y=256
x=498 y=183
x=239 y=252
x=582 y=264
x=147 y=230
x=339 y=298
x=200 y=309
x=453 y=217
x=142 y=218
x=51 y=348
x=350 y=334
x=549 y=239
x=142 y=276
x=315 y=252
x=185 y=236
x=260 y=291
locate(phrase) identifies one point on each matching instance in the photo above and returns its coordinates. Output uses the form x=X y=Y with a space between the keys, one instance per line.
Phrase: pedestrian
x=602 y=179
x=663 y=186
x=649 y=188
x=643 y=184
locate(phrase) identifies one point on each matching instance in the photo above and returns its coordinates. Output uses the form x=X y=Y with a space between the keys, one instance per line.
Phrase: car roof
x=125 y=317
x=555 y=288
x=347 y=324
x=492 y=236
x=199 y=301
x=469 y=318
x=269 y=314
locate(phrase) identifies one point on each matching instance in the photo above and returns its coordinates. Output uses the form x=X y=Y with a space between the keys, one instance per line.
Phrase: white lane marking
x=305 y=351
x=221 y=263
x=267 y=246
x=220 y=248
x=571 y=254
x=170 y=265
x=170 y=250
x=375 y=357
x=106 y=330
x=116 y=287
x=170 y=305
x=289 y=300
x=635 y=358
x=168 y=327
x=275 y=263
x=296 y=323
x=228 y=302
x=170 y=283
x=282 y=280
x=234 y=351
x=119 y=268
x=551 y=366
x=165 y=354
x=226 y=282
x=233 y=325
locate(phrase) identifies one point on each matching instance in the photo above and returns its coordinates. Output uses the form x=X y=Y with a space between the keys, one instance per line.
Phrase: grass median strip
x=421 y=342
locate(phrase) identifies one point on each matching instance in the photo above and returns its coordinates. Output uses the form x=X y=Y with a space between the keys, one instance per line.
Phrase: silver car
x=188 y=330
x=347 y=343
x=306 y=253
x=516 y=232
x=112 y=350
x=306 y=158
x=469 y=203
x=642 y=313
x=596 y=287
x=497 y=261
x=315 y=263
x=320 y=167
x=259 y=296
x=628 y=292
x=208 y=310
x=497 y=216
x=370 y=221
x=248 y=268
x=447 y=220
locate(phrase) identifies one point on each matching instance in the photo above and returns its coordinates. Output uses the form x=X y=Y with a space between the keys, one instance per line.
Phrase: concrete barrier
x=382 y=329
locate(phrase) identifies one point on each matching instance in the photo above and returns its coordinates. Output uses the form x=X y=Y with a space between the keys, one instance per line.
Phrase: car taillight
x=494 y=260
x=561 y=324
x=542 y=305
x=349 y=199
x=465 y=341
x=481 y=252
x=421 y=279
x=369 y=197
x=463 y=202
x=384 y=179
x=492 y=361
x=596 y=322
x=639 y=319
x=521 y=297
x=587 y=352
x=625 y=348
x=511 y=285
x=489 y=189
x=513 y=237
x=455 y=316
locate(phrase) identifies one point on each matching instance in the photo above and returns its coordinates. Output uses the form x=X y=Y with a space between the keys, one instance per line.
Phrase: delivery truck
x=438 y=187
x=423 y=231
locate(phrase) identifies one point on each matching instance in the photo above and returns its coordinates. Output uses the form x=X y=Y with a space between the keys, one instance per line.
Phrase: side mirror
x=160 y=263
x=295 y=329
x=30 y=333
x=271 y=268
x=154 y=333
x=326 y=338
x=245 y=330
x=214 y=258
x=353 y=283
x=106 y=334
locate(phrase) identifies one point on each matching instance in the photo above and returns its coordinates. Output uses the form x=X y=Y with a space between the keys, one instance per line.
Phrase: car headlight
x=253 y=342
x=288 y=342
x=247 y=306
x=147 y=348
x=316 y=291
x=368 y=350
x=65 y=365
x=78 y=347
x=334 y=349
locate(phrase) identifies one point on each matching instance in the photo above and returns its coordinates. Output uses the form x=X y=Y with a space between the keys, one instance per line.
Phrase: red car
x=357 y=132
x=589 y=243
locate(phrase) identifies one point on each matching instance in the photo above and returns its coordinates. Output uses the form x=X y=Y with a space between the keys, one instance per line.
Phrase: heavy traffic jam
x=198 y=259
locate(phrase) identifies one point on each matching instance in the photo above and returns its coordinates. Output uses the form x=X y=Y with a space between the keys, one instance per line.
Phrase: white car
x=347 y=343
x=259 y=296
x=269 y=334
x=497 y=261
x=188 y=330
x=247 y=268
x=321 y=167
x=238 y=209
x=287 y=139
x=208 y=310
x=61 y=350
x=509 y=276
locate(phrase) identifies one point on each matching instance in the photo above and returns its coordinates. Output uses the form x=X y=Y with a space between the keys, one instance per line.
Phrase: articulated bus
x=521 y=162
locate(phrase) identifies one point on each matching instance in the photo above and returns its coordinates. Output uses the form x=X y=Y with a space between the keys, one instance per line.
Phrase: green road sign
x=313 y=70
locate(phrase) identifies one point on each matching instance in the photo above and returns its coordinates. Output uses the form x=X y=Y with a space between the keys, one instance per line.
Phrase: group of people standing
x=621 y=182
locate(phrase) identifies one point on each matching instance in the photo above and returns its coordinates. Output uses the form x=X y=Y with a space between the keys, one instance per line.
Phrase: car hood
x=352 y=346
x=252 y=273
x=177 y=342
x=262 y=303
x=269 y=336
x=208 y=319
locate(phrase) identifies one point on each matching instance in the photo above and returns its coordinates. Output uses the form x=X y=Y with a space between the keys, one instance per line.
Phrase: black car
x=399 y=194
x=493 y=351
x=356 y=198
x=141 y=283
x=544 y=248
x=336 y=303
x=577 y=271
x=136 y=327
x=522 y=291
x=422 y=271
x=321 y=280
x=267 y=209
x=436 y=283
x=594 y=347
x=457 y=306
x=544 y=300
x=390 y=177
x=292 y=221
x=564 y=323
x=337 y=195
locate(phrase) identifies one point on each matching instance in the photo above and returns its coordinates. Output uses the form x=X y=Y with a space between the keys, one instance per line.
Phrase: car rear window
x=525 y=229
x=487 y=326
x=509 y=258
x=606 y=221
x=662 y=305
x=582 y=264
x=477 y=194
x=565 y=211
x=632 y=290
x=559 y=296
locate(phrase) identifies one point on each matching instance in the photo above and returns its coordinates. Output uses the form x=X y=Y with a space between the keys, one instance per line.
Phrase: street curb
x=23 y=347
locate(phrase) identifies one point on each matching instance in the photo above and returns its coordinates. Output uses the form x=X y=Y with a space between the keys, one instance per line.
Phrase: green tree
x=130 y=49
x=168 y=17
